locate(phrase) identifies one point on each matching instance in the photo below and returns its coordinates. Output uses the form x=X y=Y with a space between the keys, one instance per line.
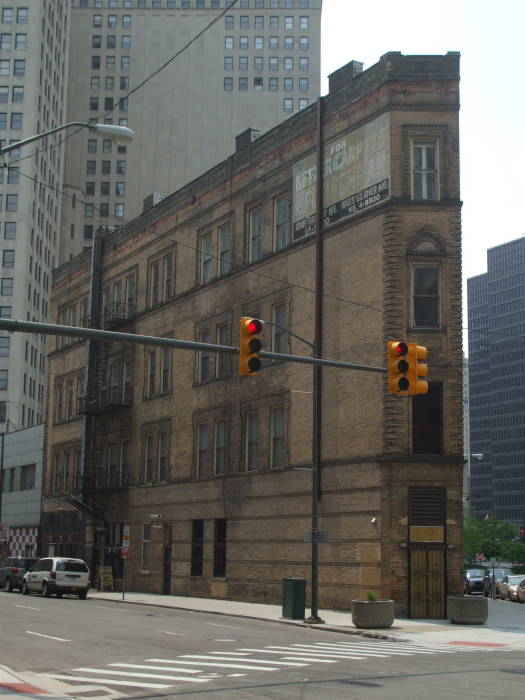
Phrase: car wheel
x=82 y=595
x=45 y=591
x=59 y=594
x=24 y=589
x=8 y=586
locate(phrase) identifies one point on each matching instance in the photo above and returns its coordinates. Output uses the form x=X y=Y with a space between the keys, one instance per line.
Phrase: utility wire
x=141 y=84
x=164 y=236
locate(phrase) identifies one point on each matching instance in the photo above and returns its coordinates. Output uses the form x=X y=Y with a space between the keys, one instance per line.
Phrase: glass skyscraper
x=496 y=321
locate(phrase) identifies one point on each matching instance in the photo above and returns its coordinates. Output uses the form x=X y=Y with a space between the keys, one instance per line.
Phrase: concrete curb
x=321 y=628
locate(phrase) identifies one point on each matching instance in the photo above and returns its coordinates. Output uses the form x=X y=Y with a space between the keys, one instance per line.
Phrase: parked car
x=12 y=570
x=57 y=575
x=498 y=575
x=508 y=586
x=473 y=582
x=520 y=592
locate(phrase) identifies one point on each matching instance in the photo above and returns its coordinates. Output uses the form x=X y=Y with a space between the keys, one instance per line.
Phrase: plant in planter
x=372 y=613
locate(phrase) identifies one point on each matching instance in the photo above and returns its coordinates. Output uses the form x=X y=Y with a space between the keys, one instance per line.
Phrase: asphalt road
x=100 y=649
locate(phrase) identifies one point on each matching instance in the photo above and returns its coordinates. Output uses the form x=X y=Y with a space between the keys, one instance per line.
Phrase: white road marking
x=231 y=653
x=175 y=634
x=311 y=659
x=106 y=681
x=313 y=652
x=48 y=636
x=207 y=663
x=161 y=677
x=401 y=647
x=226 y=658
x=26 y=607
x=155 y=668
x=358 y=647
x=228 y=627
x=299 y=658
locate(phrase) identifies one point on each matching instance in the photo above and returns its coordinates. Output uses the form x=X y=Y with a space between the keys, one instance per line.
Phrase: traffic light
x=405 y=368
x=417 y=369
x=398 y=381
x=249 y=346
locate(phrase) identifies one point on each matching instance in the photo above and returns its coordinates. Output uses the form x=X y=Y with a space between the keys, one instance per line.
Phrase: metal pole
x=314 y=610
x=113 y=336
x=2 y=475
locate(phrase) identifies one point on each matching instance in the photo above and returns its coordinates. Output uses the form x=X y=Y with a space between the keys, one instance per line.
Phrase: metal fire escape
x=106 y=401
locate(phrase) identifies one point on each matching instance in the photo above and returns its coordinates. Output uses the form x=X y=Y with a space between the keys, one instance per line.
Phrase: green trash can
x=294 y=598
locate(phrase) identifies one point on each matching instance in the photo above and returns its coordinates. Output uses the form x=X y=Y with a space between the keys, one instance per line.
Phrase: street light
x=112 y=131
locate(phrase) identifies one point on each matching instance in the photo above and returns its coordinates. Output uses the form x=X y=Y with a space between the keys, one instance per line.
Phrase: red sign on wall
x=125 y=553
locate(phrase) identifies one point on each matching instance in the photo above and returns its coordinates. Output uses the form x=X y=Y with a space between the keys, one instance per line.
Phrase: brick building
x=209 y=469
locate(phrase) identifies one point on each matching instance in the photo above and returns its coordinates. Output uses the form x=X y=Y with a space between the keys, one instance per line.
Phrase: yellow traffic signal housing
x=398 y=382
x=417 y=369
x=405 y=368
x=249 y=346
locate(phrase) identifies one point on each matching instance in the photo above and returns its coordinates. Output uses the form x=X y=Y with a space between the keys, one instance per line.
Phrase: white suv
x=57 y=575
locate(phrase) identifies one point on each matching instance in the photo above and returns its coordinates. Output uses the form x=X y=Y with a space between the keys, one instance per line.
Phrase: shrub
x=371 y=596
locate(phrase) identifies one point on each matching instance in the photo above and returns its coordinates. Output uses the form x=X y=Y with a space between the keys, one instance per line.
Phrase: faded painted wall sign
x=356 y=176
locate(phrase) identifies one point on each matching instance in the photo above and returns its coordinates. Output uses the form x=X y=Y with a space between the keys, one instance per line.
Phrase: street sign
x=480 y=557
x=125 y=536
x=321 y=536
x=125 y=553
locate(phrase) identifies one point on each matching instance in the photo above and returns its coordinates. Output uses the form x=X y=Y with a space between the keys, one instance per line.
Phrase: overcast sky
x=491 y=38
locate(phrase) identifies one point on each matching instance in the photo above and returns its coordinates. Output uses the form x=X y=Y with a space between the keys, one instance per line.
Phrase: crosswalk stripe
x=154 y=668
x=106 y=681
x=311 y=659
x=305 y=652
x=384 y=648
x=362 y=651
x=140 y=675
x=422 y=650
x=360 y=646
x=270 y=651
x=230 y=653
x=225 y=658
x=207 y=663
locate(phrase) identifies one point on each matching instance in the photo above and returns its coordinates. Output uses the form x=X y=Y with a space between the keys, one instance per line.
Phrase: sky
x=491 y=38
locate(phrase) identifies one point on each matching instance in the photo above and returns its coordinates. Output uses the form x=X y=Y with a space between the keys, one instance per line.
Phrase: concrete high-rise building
x=496 y=321
x=34 y=40
x=251 y=65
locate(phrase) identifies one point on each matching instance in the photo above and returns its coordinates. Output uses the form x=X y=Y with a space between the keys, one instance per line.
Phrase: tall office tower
x=33 y=66
x=496 y=320
x=257 y=64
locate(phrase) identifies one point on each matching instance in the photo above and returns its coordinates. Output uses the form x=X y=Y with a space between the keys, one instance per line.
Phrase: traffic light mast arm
x=14 y=326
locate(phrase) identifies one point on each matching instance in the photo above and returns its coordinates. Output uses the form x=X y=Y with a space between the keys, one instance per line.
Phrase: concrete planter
x=372 y=614
x=467 y=610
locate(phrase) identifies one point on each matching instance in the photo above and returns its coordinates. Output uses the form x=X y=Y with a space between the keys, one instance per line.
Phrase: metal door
x=427 y=580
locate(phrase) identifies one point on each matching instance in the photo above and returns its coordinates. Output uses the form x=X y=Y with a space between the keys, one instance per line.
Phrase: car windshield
x=476 y=573
x=27 y=563
x=71 y=566
x=500 y=573
x=513 y=580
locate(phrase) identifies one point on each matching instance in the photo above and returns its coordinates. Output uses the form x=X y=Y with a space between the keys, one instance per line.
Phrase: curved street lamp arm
x=36 y=137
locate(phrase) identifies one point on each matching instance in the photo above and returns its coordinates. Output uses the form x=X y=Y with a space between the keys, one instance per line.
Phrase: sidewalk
x=492 y=633
x=12 y=687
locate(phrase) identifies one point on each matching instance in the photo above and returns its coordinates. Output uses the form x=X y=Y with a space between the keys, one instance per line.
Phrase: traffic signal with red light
x=249 y=346
x=398 y=381
x=405 y=368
